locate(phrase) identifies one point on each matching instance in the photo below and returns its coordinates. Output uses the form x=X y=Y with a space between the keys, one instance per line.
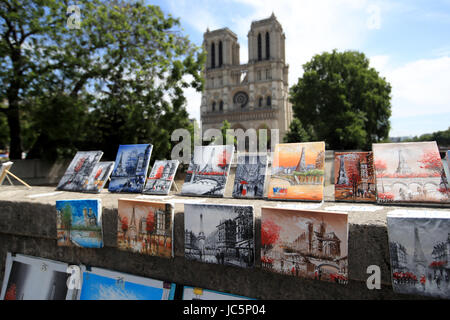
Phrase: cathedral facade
x=252 y=95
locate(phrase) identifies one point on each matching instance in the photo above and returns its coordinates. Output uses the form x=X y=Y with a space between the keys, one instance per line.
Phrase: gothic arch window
x=213 y=107
x=213 y=55
x=269 y=101
x=267 y=45
x=221 y=105
x=220 y=54
x=259 y=47
x=260 y=102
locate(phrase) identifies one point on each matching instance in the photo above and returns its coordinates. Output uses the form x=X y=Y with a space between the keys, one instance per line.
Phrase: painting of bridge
x=298 y=171
x=208 y=171
x=419 y=246
x=303 y=243
x=354 y=177
x=410 y=172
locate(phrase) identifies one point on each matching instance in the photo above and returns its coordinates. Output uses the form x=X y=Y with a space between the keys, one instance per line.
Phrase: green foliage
x=296 y=132
x=442 y=138
x=66 y=217
x=346 y=103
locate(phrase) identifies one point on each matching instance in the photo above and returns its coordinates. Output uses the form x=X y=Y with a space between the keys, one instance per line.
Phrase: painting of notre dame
x=249 y=181
x=130 y=168
x=161 y=177
x=78 y=173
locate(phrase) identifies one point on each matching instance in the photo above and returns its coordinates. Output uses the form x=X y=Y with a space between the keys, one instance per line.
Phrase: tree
x=270 y=233
x=66 y=217
x=346 y=102
x=124 y=225
x=296 y=132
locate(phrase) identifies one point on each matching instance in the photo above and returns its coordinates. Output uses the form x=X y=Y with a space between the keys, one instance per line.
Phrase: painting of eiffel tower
x=161 y=177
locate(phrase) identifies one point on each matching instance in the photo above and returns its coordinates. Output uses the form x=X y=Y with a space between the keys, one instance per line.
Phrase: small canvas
x=99 y=176
x=4 y=167
x=249 y=181
x=145 y=227
x=354 y=178
x=77 y=174
x=208 y=171
x=161 y=177
x=102 y=284
x=191 y=293
x=221 y=234
x=30 y=278
x=305 y=243
x=79 y=223
x=130 y=168
x=298 y=171
x=419 y=244
x=445 y=163
x=410 y=172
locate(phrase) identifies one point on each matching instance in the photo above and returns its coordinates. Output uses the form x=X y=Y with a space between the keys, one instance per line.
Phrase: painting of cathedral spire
x=145 y=227
x=298 y=171
x=249 y=181
x=410 y=172
x=208 y=171
x=79 y=171
x=130 y=168
x=419 y=246
x=161 y=177
x=354 y=177
x=98 y=178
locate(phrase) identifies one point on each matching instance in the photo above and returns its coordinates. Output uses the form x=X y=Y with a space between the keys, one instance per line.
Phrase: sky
x=407 y=41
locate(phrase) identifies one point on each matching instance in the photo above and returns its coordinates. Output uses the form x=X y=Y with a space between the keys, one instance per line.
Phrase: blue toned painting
x=78 y=223
x=97 y=287
x=130 y=168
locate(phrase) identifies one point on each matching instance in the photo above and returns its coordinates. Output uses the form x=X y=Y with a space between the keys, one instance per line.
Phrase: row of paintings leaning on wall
x=32 y=278
x=393 y=172
x=301 y=243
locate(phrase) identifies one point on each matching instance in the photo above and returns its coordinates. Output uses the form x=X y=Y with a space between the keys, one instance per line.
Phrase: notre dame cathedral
x=252 y=95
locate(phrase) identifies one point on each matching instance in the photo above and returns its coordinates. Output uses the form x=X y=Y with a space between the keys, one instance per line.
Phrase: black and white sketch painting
x=222 y=234
x=161 y=177
x=208 y=171
x=250 y=176
x=419 y=246
x=77 y=174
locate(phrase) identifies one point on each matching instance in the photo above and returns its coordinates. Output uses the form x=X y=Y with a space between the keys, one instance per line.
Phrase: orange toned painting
x=145 y=227
x=305 y=243
x=298 y=171
x=354 y=178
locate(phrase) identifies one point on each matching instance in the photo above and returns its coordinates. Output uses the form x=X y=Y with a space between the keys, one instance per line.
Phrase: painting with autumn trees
x=145 y=227
x=354 y=178
x=410 y=172
x=305 y=243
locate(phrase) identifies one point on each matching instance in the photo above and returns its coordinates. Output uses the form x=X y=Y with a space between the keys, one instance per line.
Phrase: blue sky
x=408 y=42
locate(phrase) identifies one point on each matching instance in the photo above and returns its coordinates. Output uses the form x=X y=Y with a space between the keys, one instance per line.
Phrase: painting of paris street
x=130 y=168
x=306 y=244
x=100 y=174
x=79 y=223
x=222 y=234
x=354 y=177
x=297 y=171
x=250 y=176
x=208 y=171
x=410 y=172
x=419 y=246
x=145 y=227
x=161 y=177
x=79 y=170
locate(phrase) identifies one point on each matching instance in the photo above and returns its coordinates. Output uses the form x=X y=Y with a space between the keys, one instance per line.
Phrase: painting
x=249 y=181
x=79 y=170
x=102 y=284
x=30 y=278
x=145 y=227
x=130 y=168
x=298 y=171
x=4 y=167
x=354 y=177
x=410 y=172
x=445 y=163
x=305 y=243
x=419 y=243
x=99 y=176
x=191 y=293
x=161 y=177
x=208 y=171
x=79 y=223
x=221 y=234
